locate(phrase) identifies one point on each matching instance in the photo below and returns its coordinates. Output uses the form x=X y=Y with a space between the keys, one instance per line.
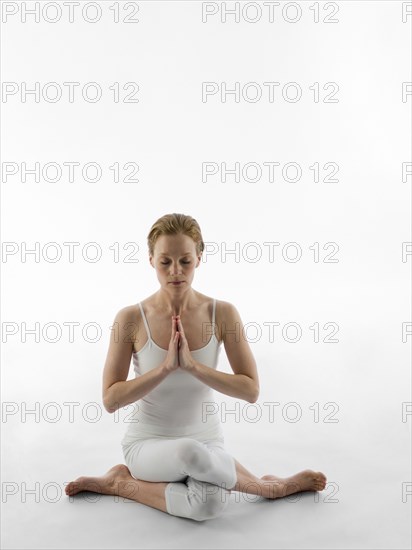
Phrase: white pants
x=201 y=473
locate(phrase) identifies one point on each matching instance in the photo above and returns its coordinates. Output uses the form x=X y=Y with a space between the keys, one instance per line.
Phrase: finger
x=182 y=332
x=174 y=324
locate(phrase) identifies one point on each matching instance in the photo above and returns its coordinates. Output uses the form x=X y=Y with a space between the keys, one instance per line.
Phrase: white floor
x=365 y=459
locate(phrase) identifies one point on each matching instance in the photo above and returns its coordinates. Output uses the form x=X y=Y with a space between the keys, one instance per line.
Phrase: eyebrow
x=185 y=254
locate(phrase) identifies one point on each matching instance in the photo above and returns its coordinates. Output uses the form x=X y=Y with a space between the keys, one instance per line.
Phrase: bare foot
x=106 y=485
x=307 y=480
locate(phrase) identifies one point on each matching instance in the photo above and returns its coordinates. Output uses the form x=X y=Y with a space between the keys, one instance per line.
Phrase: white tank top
x=180 y=405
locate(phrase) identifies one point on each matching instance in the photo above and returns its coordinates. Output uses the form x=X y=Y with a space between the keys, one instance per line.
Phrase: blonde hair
x=174 y=224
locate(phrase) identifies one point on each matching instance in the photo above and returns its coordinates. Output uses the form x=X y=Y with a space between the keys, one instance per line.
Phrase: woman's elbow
x=107 y=403
x=255 y=395
x=109 y=409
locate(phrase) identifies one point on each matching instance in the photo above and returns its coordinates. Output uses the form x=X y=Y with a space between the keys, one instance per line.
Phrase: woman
x=174 y=445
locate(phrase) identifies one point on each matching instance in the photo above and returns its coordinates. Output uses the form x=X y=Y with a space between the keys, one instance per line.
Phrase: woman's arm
x=235 y=385
x=123 y=393
x=244 y=383
x=117 y=390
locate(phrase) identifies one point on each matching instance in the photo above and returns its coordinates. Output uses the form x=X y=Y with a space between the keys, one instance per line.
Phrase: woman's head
x=174 y=224
x=175 y=247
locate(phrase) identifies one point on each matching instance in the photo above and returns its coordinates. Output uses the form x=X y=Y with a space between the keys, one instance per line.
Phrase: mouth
x=176 y=282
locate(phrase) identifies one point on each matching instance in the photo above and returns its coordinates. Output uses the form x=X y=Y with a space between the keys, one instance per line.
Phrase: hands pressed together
x=178 y=354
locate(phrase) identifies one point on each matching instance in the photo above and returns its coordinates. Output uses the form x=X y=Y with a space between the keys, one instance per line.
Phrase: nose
x=176 y=270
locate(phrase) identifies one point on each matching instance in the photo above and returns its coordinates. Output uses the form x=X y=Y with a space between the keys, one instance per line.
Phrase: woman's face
x=175 y=260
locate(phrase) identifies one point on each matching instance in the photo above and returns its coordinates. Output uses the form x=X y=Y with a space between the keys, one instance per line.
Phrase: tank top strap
x=214 y=312
x=145 y=321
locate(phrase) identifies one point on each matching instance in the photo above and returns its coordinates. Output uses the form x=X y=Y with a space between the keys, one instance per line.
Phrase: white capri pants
x=201 y=474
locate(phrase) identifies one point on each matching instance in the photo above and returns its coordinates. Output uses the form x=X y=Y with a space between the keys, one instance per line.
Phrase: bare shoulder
x=127 y=322
x=127 y=313
x=227 y=318
x=133 y=311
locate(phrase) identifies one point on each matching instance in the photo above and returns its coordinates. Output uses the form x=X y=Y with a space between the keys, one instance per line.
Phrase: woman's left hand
x=186 y=361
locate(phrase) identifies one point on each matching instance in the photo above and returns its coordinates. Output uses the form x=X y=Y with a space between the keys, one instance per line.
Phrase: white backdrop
x=284 y=129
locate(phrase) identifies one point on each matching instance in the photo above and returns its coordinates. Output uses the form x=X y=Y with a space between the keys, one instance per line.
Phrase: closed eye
x=164 y=263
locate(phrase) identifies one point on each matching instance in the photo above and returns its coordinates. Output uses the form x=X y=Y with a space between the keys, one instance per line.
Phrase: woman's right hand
x=171 y=362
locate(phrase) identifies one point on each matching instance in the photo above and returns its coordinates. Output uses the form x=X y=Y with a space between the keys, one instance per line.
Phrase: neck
x=173 y=304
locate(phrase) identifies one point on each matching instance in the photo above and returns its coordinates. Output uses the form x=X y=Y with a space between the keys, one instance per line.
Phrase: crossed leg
x=118 y=481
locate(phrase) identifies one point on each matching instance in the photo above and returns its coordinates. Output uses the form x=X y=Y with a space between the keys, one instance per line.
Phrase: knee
x=192 y=454
x=211 y=503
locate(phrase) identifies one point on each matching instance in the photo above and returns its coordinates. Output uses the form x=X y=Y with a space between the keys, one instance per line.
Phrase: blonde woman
x=174 y=445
